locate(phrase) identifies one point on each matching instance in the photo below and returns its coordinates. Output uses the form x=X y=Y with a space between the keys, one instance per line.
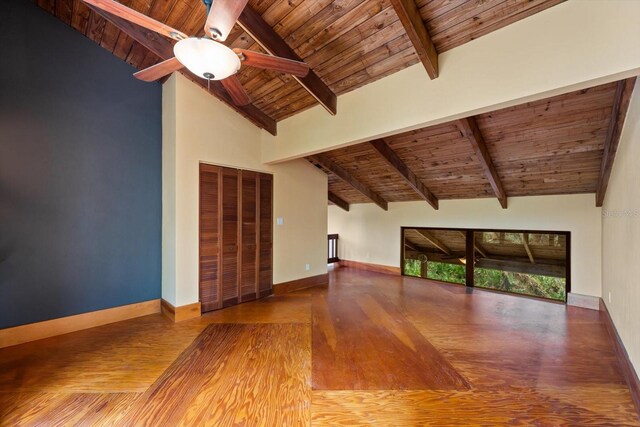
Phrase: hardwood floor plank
x=63 y=409
x=290 y=308
x=234 y=374
x=121 y=357
x=361 y=342
x=399 y=351
x=271 y=390
x=464 y=408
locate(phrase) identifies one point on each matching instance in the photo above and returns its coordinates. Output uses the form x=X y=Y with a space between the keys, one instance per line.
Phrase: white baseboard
x=584 y=301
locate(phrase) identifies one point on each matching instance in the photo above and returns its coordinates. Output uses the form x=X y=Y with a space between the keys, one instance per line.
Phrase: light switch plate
x=280 y=220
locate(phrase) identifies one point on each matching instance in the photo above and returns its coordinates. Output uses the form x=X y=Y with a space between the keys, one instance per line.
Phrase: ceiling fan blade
x=138 y=18
x=222 y=17
x=236 y=91
x=270 y=62
x=159 y=70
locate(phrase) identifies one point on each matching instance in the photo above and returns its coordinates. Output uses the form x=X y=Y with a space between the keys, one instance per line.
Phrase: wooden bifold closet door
x=236 y=236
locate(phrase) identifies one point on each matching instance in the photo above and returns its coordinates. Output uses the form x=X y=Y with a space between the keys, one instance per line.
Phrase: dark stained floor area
x=368 y=349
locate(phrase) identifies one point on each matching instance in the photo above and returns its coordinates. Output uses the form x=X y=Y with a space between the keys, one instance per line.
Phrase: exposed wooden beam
x=624 y=89
x=454 y=258
x=525 y=242
x=251 y=22
x=409 y=15
x=411 y=246
x=424 y=270
x=434 y=241
x=522 y=267
x=163 y=48
x=477 y=246
x=338 y=201
x=469 y=129
x=341 y=173
x=392 y=158
x=414 y=247
x=481 y=250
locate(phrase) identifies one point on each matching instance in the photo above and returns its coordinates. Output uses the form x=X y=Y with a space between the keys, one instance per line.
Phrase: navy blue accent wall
x=80 y=173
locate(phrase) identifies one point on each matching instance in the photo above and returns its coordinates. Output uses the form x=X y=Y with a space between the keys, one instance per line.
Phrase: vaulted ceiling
x=347 y=43
x=561 y=145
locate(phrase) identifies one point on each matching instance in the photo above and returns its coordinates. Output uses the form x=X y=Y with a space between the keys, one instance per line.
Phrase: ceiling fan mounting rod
x=215 y=33
x=176 y=36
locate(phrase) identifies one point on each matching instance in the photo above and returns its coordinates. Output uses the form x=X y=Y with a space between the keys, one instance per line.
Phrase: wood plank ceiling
x=551 y=146
x=348 y=43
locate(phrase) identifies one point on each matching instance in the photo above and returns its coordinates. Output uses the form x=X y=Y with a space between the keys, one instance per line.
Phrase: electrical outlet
x=307 y=267
x=280 y=220
x=609 y=297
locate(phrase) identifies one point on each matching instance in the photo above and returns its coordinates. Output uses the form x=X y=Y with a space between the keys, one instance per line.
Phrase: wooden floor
x=369 y=349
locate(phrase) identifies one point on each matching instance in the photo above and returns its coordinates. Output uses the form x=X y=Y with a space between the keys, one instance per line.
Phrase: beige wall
x=369 y=234
x=208 y=131
x=621 y=236
x=576 y=44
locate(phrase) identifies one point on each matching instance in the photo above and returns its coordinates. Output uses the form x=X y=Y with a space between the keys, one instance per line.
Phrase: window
x=435 y=254
x=534 y=263
x=523 y=263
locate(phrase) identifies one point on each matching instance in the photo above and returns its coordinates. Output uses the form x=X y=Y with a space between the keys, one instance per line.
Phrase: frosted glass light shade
x=207 y=58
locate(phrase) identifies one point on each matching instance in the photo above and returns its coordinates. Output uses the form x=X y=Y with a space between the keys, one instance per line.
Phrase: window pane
x=532 y=264
x=435 y=254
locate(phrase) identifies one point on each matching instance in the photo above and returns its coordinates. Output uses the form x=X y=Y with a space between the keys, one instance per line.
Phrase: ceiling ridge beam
x=163 y=48
x=411 y=20
x=624 y=89
x=338 y=201
x=344 y=175
x=253 y=23
x=469 y=129
x=434 y=241
x=392 y=158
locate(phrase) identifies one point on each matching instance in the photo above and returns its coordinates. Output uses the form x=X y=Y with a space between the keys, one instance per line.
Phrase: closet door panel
x=209 y=237
x=230 y=238
x=266 y=234
x=249 y=235
x=235 y=236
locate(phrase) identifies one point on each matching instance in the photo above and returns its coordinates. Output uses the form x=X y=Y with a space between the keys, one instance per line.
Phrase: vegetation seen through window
x=521 y=283
x=528 y=284
x=437 y=271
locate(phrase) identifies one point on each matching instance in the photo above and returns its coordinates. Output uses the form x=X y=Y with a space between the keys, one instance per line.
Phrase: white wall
x=571 y=46
x=621 y=235
x=206 y=130
x=369 y=234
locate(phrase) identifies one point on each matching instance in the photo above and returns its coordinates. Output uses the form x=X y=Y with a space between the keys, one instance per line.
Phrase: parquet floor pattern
x=369 y=349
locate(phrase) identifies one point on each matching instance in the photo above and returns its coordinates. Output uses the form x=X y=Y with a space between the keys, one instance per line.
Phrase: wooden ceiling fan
x=205 y=57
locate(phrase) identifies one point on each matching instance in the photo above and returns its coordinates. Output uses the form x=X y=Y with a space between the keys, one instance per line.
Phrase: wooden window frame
x=469 y=283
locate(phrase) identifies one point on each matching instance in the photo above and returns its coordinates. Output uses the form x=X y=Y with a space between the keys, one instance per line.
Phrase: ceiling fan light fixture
x=207 y=58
